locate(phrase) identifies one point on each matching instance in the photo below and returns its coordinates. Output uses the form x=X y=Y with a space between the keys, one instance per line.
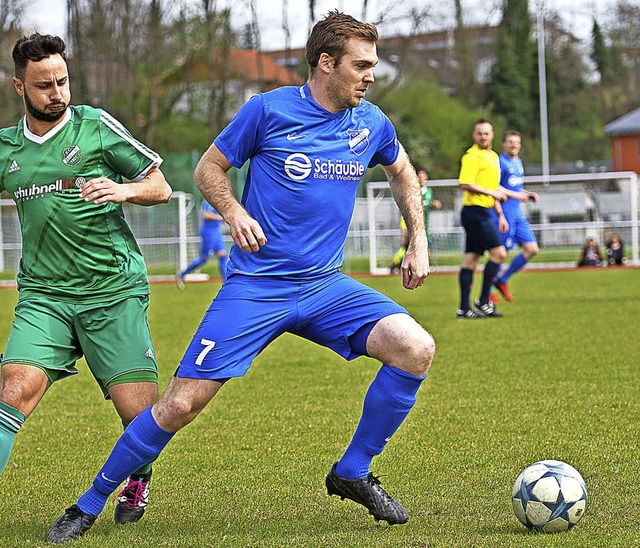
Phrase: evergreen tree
x=510 y=88
x=600 y=54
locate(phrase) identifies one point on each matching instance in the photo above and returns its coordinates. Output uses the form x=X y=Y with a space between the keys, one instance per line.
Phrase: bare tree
x=10 y=15
x=154 y=44
x=286 y=30
x=401 y=54
x=76 y=39
x=218 y=42
x=226 y=41
x=209 y=8
x=255 y=30
x=312 y=15
x=463 y=57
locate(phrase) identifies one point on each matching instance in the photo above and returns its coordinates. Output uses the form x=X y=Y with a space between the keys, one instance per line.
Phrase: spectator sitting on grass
x=590 y=254
x=615 y=250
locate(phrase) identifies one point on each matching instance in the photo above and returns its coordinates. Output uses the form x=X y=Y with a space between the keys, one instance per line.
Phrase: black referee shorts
x=482 y=232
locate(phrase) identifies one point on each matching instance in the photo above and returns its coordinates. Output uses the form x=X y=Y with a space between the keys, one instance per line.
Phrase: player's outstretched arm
x=406 y=192
x=214 y=184
x=152 y=189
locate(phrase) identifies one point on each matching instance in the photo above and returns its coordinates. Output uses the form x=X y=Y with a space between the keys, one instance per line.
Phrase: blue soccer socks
x=201 y=261
x=517 y=264
x=141 y=443
x=389 y=399
x=193 y=265
x=10 y=422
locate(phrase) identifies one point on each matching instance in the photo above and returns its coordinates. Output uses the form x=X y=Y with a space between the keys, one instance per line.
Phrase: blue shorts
x=482 y=233
x=211 y=242
x=250 y=312
x=519 y=230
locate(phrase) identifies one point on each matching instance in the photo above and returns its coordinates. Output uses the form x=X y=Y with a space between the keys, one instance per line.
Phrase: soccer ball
x=549 y=496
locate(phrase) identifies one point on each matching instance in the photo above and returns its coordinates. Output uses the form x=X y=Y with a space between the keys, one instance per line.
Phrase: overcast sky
x=49 y=16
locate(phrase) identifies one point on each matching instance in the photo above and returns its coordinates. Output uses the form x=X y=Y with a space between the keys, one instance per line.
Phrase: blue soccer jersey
x=306 y=164
x=210 y=224
x=512 y=178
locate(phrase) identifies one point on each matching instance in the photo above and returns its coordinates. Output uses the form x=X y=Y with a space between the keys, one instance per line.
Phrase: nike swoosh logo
x=294 y=136
x=105 y=478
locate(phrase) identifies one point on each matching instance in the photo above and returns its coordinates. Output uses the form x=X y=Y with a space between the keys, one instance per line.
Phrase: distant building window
x=439 y=44
x=288 y=61
x=486 y=40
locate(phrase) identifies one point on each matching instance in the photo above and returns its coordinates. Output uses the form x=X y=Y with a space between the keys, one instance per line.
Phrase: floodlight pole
x=542 y=87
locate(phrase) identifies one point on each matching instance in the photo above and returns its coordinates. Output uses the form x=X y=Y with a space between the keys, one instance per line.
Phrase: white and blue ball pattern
x=549 y=496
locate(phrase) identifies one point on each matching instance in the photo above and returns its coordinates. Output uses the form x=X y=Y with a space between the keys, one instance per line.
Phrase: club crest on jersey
x=71 y=156
x=358 y=140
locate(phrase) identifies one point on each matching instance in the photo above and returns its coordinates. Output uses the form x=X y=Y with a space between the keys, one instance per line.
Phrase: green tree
x=510 y=87
x=462 y=50
x=575 y=127
x=434 y=127
x=600 y=53
x=623 y=33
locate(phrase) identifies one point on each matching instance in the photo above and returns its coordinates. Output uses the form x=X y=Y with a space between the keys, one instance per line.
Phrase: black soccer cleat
x=70 y=526
x=468 y=314
x=133 y=499
x=488 y=310
x=367 y=491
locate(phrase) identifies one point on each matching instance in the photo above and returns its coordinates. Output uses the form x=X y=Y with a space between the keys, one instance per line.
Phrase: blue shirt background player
x=519 y=232
x=308 y=149
x=211 y=242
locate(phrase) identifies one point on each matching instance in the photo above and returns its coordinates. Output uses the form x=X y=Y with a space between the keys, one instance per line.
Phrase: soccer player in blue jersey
x=308 y=148
x=211 y=242
x=519 y=231
x=82 y=280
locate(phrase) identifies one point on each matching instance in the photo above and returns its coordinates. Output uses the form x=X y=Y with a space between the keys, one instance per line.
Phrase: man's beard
x=339 y=97
x=41 y=115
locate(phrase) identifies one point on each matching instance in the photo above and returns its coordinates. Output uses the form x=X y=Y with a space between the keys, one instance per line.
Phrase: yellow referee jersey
x=481 y=167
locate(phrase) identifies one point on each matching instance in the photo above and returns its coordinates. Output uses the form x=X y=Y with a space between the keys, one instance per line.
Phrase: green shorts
x=114 y=338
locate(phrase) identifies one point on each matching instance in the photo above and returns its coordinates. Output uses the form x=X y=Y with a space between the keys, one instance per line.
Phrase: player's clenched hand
x=103 y=190
x=500 y=195
x=247 y=232
x=415 y=269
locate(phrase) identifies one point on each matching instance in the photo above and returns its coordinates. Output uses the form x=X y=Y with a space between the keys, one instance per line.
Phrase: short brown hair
x=35 y=48
x=481 y=121
x=331 y=34
x=511 y=133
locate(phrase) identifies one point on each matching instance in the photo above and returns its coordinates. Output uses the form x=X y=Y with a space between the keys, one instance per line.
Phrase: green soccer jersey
x=72 y=249
x=427 y=199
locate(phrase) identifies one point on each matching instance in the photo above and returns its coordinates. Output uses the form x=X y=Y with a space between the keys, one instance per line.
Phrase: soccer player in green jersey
x=82 y=279
x=428 y=203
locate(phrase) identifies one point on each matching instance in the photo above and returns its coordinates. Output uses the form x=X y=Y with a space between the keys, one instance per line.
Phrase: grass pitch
x=557 y=378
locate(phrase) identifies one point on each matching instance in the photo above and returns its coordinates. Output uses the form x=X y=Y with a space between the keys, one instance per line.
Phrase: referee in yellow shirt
x=480 y=180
